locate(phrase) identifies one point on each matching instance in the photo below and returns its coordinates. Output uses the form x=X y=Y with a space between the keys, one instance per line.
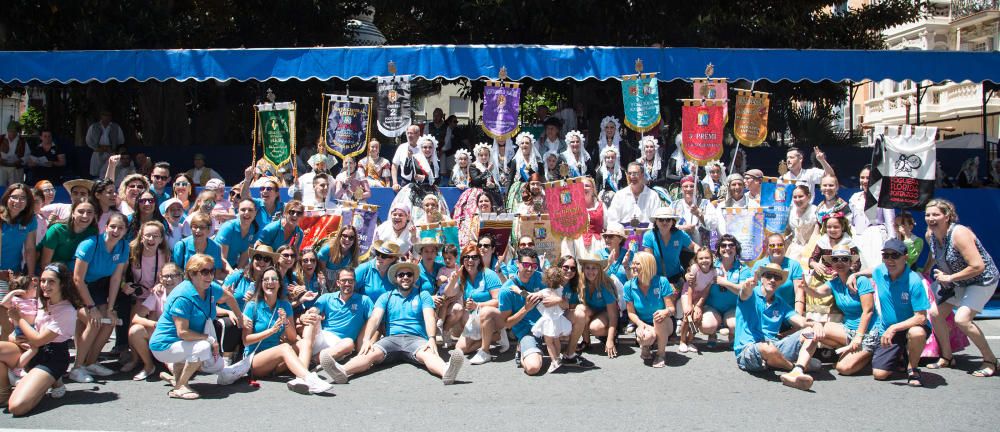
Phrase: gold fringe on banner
x=703 y=102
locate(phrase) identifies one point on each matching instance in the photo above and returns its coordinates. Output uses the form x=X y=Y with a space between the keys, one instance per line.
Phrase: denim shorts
x=401 y=348
x=530 y=345
x=750 y=359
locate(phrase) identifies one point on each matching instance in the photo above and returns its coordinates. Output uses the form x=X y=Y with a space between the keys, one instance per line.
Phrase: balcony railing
x=963 y=8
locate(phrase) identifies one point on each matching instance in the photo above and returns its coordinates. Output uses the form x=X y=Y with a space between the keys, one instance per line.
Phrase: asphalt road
x=695 y=392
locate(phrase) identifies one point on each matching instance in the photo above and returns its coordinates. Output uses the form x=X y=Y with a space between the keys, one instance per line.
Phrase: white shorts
x=326 y=339
x=190 y=352
x=973 y=296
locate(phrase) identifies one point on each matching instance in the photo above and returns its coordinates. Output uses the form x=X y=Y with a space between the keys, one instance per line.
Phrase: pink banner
x=565 y=203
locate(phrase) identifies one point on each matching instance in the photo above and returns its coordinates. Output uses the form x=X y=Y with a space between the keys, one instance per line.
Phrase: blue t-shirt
x=757 y=321
x=273 y=235
x=14 y=238
x=229 y=235
x=368 y=281
x=405 y=315
x=599 y=299
x=898 y=299
x=184 y=250
x=240 y=285
x=617 y=268
x=647 y=304
x=344 y=319
x=668 y=256
x=850 y=302
x=478 y=290
x=427 y=281
x=512 y=302
x=100 y=262
x=184 y=302
x=263 y=218
x=721 y=299
x=323 y=256
x=787 y=290
x=263 y=317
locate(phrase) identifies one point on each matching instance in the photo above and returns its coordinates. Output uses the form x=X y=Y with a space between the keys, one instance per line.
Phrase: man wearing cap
x=336 y=319
x=404 y=152
x=373 y=276
x=550 y=140
x=759 y=317
x=901 y=304
x=636 y=202
x=201 y=174
x=410 y=330
x=752 y=179
x=809 y=177
x=103 y=137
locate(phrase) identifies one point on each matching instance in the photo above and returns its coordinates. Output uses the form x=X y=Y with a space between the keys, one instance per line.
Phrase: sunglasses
x=776 y=245
x=771 y=276
x=404 y=274
x=263 y=258
x=472 y=257
x=288 y=255
x=840 y=259
x=182 y=184
x=146 y=201
x=891 y=255
x=266 y=189
x=568 y=267
x=295 y=212
x=204 y=272
x=485 y=245
x=529 y=265
x=160 y=177
x=349 y=237
x=727 y=245
x=381 y=255
x=308 y=260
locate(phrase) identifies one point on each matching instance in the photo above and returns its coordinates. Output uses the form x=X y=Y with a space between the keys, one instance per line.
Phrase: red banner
x=567 y=208
x=703 y=123
x=318 y=227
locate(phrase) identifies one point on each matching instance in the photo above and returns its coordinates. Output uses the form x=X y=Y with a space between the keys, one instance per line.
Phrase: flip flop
x=183 y=393
x=987 y=371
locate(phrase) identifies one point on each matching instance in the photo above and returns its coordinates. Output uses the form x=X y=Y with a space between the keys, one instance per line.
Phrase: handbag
x=472 y=329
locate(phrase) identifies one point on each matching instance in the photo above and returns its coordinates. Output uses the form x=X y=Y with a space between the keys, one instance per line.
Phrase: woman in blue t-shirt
x=720 y=305
x=600 y=293
x=650 y=307
x=339 y=251
x=475 y=290
x=266 y=317
x=666 y=243
x=858 y=306
x=308 y=276
x=236 y=236
x=100 y=264
x=616 y=252
x=18 y=223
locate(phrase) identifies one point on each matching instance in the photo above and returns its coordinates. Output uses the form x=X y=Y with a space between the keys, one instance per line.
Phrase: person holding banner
x=340 y=250
x=595 y=214
x=637 y=201
x=666 y=243
x=809 y=177
x=350 y=184
x=377 y=169
x=501 y=155
x=791 y=290
x=422 y=168
x=650 y=305
x=696 y=220
x=869 y=233
x=802 y=223
x=397 y=229
x=403 y=154
x=285 y=230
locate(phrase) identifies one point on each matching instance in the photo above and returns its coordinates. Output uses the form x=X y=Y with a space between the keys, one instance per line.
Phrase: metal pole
x=985 y=100
x=919 y=98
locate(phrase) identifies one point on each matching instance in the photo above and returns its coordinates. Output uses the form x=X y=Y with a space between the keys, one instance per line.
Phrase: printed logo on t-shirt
x=354 y=308
x=677 y=243
x=415 y=303
x=115 y=257
x=905 y=296
x=775 y=314
x=656 y=291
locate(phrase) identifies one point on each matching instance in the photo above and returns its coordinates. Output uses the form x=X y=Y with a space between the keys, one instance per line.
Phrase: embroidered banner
x=564 y=202
x=750 y=125
x=537 y=227
x=446 y=231
x=747 y=225
x=277 y=132
x=498 y=227
x=364 y=218
x=712 y=88
x=641 y=96
x=393 y=100
x=347 y=129
x=501 y=108
x=776 y=200
x=702 y=125
x=903 y=168
x=317 y=227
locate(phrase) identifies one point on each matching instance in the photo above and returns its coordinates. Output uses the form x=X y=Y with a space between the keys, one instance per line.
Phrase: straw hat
x=840 y=251
x=400 y=266
x=389 y=248
x=84 y=183
x=265 y=250
x=665 y=213
x=426 y=241
x=773 y=268
x=588 y=258
x=615 y=228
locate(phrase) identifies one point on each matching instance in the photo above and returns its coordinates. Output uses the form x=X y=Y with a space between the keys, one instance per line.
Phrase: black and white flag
x=903 y=168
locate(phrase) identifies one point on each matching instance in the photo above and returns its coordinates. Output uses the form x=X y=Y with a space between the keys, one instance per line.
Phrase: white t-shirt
x=625 y=205
x=807 y=176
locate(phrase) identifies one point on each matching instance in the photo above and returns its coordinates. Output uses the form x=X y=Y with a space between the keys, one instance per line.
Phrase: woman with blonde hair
x=650 y=306
x=599 y=293
x=129 y=190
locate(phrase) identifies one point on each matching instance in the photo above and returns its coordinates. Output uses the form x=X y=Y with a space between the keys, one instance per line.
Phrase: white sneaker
x=298 y=385
x=58 y=392
x=504 y=341
x=683 y=348
x=452 y=368
x=101 y=371
x=228 y=375
x=318 y=385
x=554 y=366
x=333 y=369
x=481 y=357
x=80 y=375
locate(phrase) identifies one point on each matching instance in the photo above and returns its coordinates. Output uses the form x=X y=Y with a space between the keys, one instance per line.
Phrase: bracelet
x=800 y=301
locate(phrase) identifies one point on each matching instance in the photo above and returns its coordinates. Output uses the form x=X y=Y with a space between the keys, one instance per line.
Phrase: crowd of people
x=191 y=276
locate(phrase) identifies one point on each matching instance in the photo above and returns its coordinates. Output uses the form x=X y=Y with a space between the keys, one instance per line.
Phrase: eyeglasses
x=727 y=245
x=568 y=267
x=840 y=259
x=345 y=281
x=771 y=276
x=891 y=255
x=472 y=257
x=146 y=201
x=404 y=275
x=170 y=275
x=204 y=272
x=151 y=236
x=182 y=184
x=348 y=236
x=263 y=258
x=18 y=198
x=136 y=186
x=295 y=213
x=529 y=265
x=485 y=245
x=160 y=177
x=288 y=255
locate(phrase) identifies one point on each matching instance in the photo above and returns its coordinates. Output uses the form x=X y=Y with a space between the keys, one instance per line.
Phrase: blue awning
x=484 y=61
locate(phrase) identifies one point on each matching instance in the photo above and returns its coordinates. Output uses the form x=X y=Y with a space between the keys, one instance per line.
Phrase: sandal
x=948 y=363
x=183 y=393
x=913 y=378
x=987 y=371
x=659 y=362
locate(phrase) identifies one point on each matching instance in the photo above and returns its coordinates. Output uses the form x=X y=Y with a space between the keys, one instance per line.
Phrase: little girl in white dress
x=552 y=325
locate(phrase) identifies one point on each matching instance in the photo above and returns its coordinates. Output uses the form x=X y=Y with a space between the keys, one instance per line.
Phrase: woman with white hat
x=666 y=242
x=616 y=252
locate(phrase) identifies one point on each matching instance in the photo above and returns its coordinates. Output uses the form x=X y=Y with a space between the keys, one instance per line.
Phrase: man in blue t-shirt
x=336 y=319
x=902 y=303
x=410 y=325
x=759 y=317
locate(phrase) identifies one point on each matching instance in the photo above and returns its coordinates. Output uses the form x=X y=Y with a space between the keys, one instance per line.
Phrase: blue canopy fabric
x=484 y=61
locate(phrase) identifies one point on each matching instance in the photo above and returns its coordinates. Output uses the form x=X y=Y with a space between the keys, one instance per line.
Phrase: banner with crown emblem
x=747 y=225
x=393 y=100
x=750 y=124
x=702 y=123
x=776 y=200
x=347 y=128
x=276 y=132
x=501 y=108
x=712 y=88
x=563 y=201
x=641 y=96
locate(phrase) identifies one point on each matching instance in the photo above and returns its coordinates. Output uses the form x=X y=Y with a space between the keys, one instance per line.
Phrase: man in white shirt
x=103 y=137
x=634 y=202
x=753 y=178
x=404 y=152
x=809 y=177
